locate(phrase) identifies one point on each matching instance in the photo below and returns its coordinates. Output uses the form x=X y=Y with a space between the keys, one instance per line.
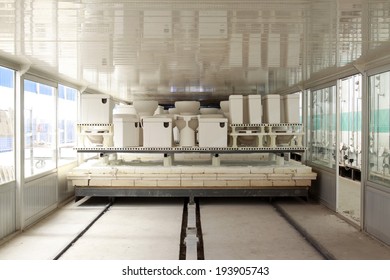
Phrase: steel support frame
x=189 y=192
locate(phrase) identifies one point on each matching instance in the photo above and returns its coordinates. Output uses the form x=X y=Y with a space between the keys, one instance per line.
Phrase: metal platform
x=190 y=192
x=190 y=150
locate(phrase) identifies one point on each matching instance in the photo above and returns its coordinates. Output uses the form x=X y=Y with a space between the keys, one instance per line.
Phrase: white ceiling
x=188 y=49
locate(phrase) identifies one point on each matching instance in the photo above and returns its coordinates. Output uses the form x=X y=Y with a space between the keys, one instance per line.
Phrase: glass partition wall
x=43 y=133
x=379 y=129
x=350 y=122
x=7 y=113
x=39 y=128
x=67 y=124
x=7 y=153
x=322 y=127
x=349 y=188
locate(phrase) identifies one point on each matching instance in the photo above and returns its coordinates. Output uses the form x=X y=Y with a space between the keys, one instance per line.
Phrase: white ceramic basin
x=172 y=111
x=159 y=110
x=224 y=106
x=95 y=139
x=124 y=111
x=145 y=107
x=187 y=107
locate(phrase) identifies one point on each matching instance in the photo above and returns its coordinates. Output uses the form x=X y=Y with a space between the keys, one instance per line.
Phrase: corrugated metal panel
x=377 y=213
x=65 y=188
x=7 y=209
x=325 y=187
x=39 y=197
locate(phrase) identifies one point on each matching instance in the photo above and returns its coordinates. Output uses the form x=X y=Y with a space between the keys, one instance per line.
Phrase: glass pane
x=67 y=122
x=308 y=125
x=323 y=126
x=39 y=128
x=7 y=150
x=350 y=122
x=379 y=135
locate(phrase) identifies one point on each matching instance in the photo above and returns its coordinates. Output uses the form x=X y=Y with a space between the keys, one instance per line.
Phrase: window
x=39 y=128
x=379 y=129
x=67 y=124
x=322 y=120
x=7 y=150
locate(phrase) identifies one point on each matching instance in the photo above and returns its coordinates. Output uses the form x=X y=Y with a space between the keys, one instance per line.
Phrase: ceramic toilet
x=187 y=121
x=126 y=126
x=144 y=108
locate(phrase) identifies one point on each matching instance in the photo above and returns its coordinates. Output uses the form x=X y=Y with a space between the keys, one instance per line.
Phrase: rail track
x=208 y=228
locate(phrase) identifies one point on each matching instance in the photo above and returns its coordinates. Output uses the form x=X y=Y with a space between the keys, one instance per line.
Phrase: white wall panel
x=65 y=188
x=377 y=213
x=7 y=209
x=324 y=187
x=40 y=197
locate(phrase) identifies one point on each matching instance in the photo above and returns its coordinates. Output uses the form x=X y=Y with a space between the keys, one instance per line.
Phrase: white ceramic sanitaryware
x=96 y=108
x=176 y=136
x=271 y=108
x=187 y=125
x=213 y=132
x=187 y=107
x=208 y=116
x=209 y=111
x=254 y=109
x=290 y=108
x=173 y=111
x=187 y=121
x=157 y=131
x=236 y=109
x=224 y=106
x=123 y=110
x=95 y=140
x=159 y=110
x=126 y=126
x=145 y=107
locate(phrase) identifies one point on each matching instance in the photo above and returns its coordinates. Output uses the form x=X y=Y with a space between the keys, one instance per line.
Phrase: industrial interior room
x=193 y=104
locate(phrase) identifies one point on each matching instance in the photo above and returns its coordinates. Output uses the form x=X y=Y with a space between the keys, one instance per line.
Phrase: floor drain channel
x=199 y=232
x=182 y=253
x=106 y=208
x=191 y=240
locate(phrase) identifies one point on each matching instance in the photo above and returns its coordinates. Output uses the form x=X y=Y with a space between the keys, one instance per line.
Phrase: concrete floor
x=46 y=239
x=232 y=229
x=250 y=229
x=133 y=230
x=349 y=199
x=338 y=237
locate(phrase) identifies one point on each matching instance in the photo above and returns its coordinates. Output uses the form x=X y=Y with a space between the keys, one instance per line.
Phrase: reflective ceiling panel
x=189 y=49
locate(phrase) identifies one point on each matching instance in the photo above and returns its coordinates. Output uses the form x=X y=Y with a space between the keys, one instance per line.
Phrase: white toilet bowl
x=187 y=121
x=187 y=125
